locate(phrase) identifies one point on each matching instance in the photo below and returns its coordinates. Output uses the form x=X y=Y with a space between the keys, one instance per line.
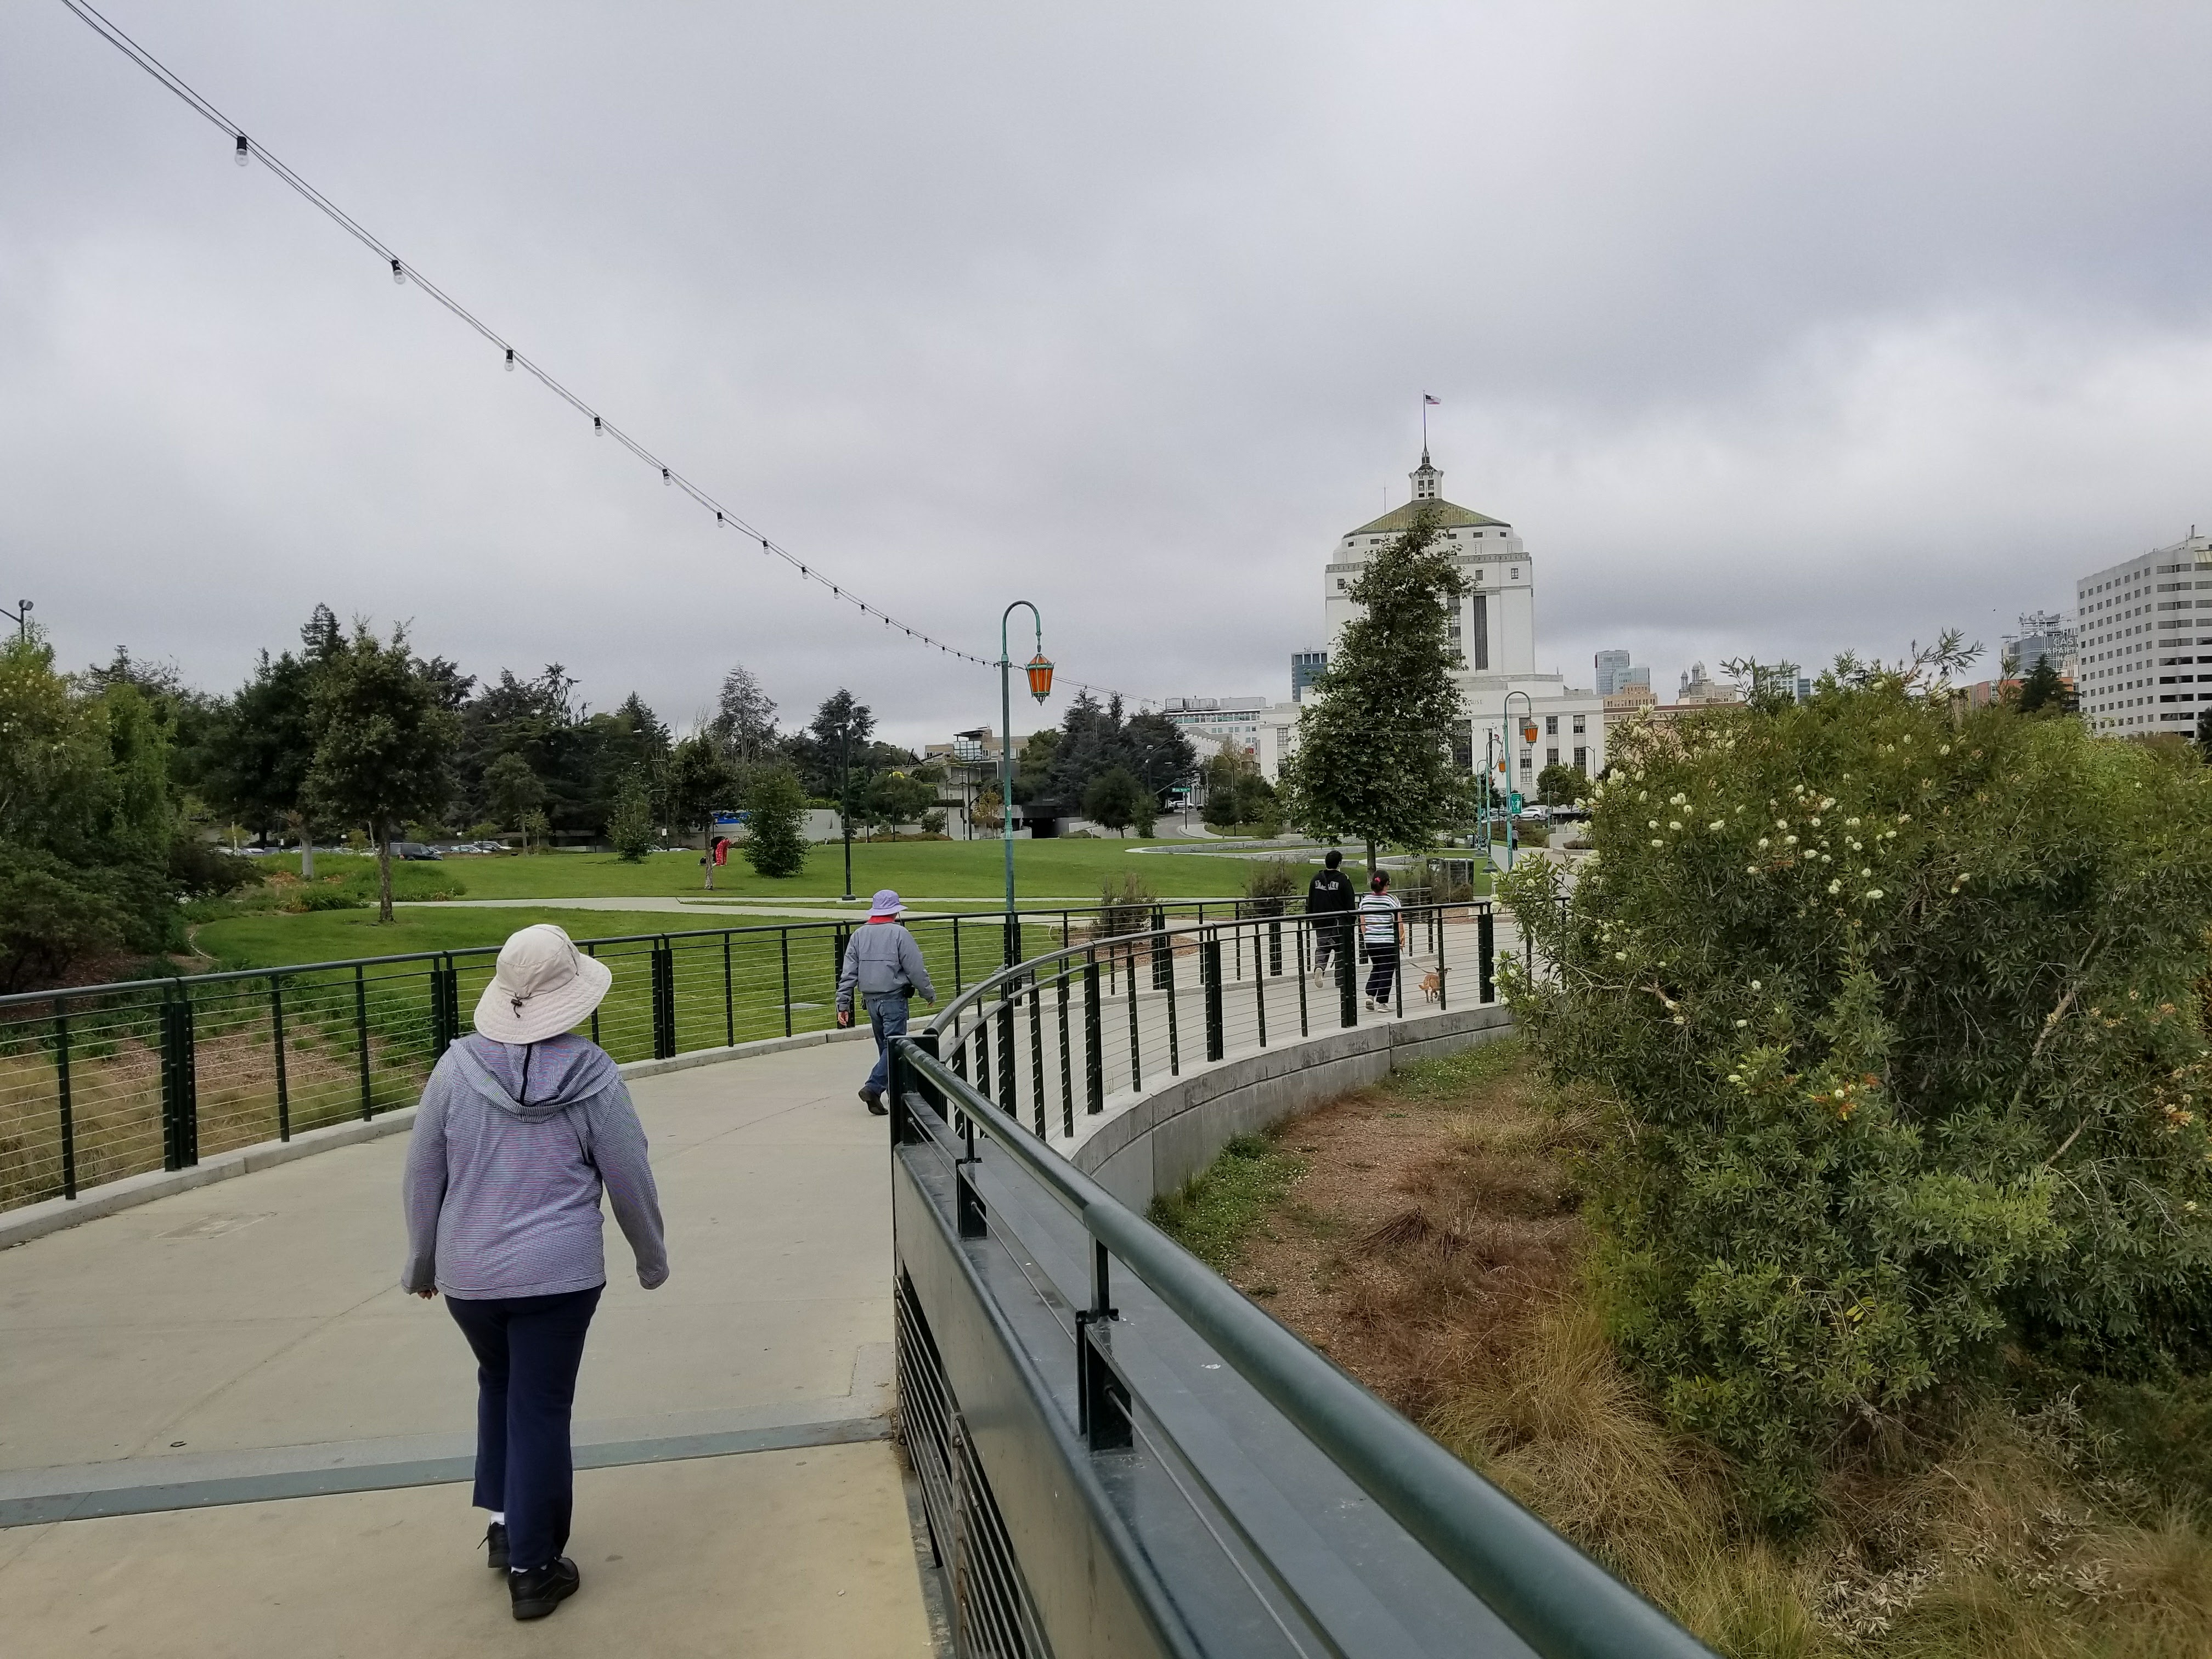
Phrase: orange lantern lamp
x=1528 y=732
x=1039 y=669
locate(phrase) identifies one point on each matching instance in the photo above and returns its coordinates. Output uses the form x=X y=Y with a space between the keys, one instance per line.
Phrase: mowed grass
x=278 y=940
x=922 y=869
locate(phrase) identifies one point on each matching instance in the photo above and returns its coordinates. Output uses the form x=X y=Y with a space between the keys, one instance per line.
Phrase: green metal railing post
x=1007 y=1099
x=1162 y=951
x=1037 y=1053
x=1485 y=955
x=1066 y=1060
x=276 y=1036
x=62 y=1088
x=1298 y=944
x=360 y=1037
x=180 y=1117
x=783 y=945
x=1094 y=1038
x=1209 y=975
x=1346 y=975
x=1136 y=1068
x=729 y=999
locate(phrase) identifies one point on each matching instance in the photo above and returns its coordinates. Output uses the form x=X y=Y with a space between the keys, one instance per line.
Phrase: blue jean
x=887 y=1020
x=527 y=1350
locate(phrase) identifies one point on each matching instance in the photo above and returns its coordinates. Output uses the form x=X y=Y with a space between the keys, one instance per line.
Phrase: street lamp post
x=1512 y=776
x=1039 y=670
x=21 y=617
x=845 y=796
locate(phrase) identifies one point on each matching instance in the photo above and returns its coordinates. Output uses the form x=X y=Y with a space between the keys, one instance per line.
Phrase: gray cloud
x=1772 y=328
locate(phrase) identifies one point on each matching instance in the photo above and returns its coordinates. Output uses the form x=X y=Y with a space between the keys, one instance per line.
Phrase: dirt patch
x=1429 y=1217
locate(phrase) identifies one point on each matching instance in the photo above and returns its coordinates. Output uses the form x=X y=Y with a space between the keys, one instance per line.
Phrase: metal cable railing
x=1056 y=1041
x=1228 y=1472
x=102 y=1082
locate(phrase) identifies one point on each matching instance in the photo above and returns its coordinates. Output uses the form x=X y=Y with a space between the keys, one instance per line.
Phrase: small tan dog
x=1433 y=985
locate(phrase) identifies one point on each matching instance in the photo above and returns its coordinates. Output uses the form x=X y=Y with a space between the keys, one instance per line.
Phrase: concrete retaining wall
x=1164 y=1139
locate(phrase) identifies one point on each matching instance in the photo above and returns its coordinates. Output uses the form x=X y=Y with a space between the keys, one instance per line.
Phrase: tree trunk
x=707 y=845
x=384 y=874
x=1372 y=866
x=306 y=850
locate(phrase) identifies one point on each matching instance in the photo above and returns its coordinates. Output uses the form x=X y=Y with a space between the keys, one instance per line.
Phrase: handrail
x=1553 y=1596
x=1030 y=967
x=167 y=981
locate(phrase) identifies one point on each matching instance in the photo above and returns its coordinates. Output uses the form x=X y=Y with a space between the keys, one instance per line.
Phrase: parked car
x=414 y=850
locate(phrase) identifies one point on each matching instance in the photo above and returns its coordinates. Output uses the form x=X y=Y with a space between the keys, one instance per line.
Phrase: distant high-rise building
x=2135 y=624
x=1306 y=667
x=2043 y=636
x=1616 y=673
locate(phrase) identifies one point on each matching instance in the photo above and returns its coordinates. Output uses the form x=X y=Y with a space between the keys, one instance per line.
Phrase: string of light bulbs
x=246 y=150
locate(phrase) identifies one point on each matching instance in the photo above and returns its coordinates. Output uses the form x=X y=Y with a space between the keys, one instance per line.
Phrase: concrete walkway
x=226 y=1429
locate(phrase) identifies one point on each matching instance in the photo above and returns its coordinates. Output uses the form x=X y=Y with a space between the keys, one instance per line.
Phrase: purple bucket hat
x=886 y=903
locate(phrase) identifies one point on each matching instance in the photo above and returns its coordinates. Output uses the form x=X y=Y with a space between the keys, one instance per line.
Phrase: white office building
x=2140 y=638
x=1495 y=632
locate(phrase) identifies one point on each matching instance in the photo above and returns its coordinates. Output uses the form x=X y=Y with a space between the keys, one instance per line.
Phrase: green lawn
x=281 y=941
x=925 y=869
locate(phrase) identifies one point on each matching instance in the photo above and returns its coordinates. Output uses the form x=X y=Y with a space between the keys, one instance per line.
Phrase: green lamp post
x=1039 y=670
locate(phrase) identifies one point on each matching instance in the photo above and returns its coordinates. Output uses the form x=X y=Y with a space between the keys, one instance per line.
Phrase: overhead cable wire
x=246 y=147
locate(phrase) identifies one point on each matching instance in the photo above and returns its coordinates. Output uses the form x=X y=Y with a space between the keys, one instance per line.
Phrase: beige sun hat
x=544 y=985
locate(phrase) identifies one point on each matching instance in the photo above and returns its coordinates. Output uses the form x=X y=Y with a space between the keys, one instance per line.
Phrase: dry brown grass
x=1431 y=1241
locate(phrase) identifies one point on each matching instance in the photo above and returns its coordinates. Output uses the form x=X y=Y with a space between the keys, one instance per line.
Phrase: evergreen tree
x=630 y=827
x=515 y=793
x=2044 y=692
x=744 y=725
x=384 y=745
x=777 y=844
x=1375 y=747
x=701 y=782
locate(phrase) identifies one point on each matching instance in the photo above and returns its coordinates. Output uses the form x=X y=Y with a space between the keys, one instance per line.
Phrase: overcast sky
x=1773 y=328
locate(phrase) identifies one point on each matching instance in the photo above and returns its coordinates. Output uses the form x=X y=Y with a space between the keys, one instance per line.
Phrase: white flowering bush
x=1900 y=1010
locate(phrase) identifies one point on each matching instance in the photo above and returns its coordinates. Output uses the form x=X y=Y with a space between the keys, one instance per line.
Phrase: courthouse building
x=1495 y=632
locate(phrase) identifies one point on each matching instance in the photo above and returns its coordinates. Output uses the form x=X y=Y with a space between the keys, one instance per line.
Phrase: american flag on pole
x=1426 y=399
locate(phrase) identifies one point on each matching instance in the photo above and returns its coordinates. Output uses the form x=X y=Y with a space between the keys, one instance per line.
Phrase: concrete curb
x=36 y=1221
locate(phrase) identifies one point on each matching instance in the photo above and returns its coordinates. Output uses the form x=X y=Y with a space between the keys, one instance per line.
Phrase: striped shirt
x=1378 y=918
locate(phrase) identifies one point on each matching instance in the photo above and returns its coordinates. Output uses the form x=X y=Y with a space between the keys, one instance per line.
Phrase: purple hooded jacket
x=511 y=1148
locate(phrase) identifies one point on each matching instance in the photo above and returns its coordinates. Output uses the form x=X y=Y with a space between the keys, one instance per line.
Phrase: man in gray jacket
x=884 y=963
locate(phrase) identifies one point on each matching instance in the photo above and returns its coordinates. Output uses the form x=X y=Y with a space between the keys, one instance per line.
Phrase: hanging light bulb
x=397 y=275
x=510 y=360
x=666 y=479
x=598 y=428
x=243 y=151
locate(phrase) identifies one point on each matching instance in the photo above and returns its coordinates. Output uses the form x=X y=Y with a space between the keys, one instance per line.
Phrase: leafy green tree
x=1238 y=793
x=536 y=827
x=777 y=844
x=1113 y=799
x=384 y=743
x=631 y=828
x=1561 y=785
x=52 y=916
x=1900 y=1010
x=744 y=725
x=1033 y=767
x=700 y=782
x=515 y=793
x=893 y=798
x=1374 y=757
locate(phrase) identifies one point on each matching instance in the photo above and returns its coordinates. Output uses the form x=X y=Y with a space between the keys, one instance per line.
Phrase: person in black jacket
x=1330 y=899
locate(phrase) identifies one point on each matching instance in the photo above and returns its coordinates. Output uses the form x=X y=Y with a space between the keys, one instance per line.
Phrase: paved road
x=246 y=1341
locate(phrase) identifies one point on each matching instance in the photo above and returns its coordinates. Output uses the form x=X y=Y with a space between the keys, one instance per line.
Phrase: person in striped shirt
x=1382 y=925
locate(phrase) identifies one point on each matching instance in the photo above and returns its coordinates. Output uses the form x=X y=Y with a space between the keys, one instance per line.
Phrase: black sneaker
x=874 y=1097
x=538 y=1591
x=495 y=1546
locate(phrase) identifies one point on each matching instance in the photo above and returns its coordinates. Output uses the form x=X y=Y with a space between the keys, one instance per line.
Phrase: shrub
x=1901 y=1009
x=775 y=846
x=1126 y=906
x=630 y=830
x=51 y=918
x=1269 y=886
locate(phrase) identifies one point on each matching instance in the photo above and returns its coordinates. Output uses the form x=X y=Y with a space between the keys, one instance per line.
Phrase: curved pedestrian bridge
x=228 y=1431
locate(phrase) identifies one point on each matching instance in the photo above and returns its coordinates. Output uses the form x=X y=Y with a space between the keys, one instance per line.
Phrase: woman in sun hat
x=522 y=1126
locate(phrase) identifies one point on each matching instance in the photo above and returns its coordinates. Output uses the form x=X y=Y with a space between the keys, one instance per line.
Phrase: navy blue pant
x=1385 y=971
x=527 y=1350
x=887 y=1020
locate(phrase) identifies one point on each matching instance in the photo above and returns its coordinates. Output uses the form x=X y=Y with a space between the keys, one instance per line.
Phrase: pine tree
x=1375 y=749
